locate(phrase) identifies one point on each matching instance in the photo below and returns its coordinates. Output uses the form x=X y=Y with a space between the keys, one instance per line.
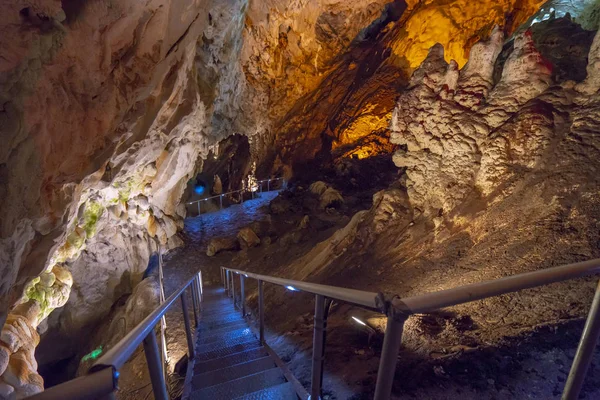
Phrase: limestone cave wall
x=107 y=107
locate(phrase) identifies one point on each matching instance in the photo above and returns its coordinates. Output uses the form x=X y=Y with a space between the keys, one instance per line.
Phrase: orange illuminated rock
x=456 y=25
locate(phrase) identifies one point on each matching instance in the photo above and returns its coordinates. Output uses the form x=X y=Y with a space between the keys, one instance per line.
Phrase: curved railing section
x=221 y=196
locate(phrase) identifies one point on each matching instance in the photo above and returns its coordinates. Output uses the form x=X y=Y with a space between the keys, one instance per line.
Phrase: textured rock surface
x=221 y=244
x=350 y=109
x=107 y=107
x=247 y=238
x=142 y=301
x=462 y=133
x=18 y=339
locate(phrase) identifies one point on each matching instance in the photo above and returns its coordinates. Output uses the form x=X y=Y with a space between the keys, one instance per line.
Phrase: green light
x=93 y=355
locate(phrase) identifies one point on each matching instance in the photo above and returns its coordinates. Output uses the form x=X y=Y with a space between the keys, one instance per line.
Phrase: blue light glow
x=199 y=189
x=293 y=289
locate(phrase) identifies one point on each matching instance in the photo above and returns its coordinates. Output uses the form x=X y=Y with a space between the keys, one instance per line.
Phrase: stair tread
x=232 y=372
x=225 y=351
x=209 y=337
x=226 y=342
x=230 y=362
x=232 y=359
x=241 y=386
x=284 y=391
x=221 y=328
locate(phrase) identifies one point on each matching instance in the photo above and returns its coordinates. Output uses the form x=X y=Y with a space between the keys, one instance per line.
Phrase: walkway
x=181 y=263
x=230 y=362
x=226 y=222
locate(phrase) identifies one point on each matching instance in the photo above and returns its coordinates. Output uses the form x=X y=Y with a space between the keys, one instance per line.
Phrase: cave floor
x=444 y=356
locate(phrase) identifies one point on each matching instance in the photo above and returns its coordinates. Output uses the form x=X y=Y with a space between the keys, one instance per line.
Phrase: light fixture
x=359 y=321
x=293 y=289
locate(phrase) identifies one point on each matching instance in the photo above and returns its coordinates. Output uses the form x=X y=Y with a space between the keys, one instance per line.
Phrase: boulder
x=248 y=238
x=331 y=198
x=221 y=244
x=318 y=188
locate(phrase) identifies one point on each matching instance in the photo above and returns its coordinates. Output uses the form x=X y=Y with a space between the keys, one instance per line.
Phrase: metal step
x=209 y=331
x=239 y=387
x=232 y=359
x=234 y=372
x=225 y=351
x=206 y=326
x=211 y=337
x=218 y=312
x=225 y=343
x=222 y=316
x=225 y=318
x=285 y=391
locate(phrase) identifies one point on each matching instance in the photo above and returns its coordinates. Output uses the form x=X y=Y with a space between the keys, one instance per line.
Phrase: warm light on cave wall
x=457 y=25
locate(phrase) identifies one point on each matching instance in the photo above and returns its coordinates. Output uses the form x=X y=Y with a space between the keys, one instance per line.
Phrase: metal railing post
x=232 y=285
x=261 y=311
x=227 y=281
x=200 y=287
x=157 y=379
x=186 y=322
x=199 y=208
x=221 y=201
x=318 y=357
x=195 y=302
x=243 y=294
x=585 y=350
x=268 y=185
x=233 y=288
x=389 y=355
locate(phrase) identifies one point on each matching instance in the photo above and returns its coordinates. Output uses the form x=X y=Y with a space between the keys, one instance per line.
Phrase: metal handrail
x=403 y=307
x=399 y=309
x=228 y=193
x=102 y=377
x=118 y=355
x=476 y=291
x=353 y=296
x=91 y=386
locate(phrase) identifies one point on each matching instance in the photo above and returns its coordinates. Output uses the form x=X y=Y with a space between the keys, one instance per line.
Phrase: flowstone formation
x=19 y=337
x=463 y=135
x=98 y=146
x=107 y=110
x=349 y=111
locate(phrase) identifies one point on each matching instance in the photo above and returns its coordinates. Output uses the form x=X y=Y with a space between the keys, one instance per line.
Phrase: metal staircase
x=230 y=362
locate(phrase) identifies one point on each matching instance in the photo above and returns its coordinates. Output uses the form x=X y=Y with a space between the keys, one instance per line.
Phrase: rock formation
x=462 y=134
x=19 y=337
x=107 y=110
